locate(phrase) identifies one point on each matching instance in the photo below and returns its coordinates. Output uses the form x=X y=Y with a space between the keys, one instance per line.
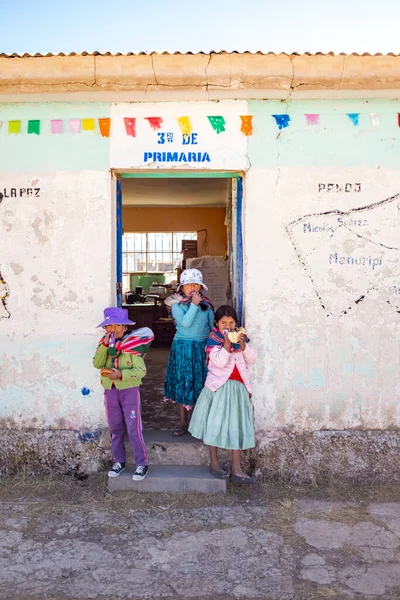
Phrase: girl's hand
x=227 y=343
x=106 y=339
x=116 y=374
x=196 y=298
x=242 y=342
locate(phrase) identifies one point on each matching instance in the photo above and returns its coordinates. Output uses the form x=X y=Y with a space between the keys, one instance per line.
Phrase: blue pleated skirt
x=186 y=372
x=224 y=418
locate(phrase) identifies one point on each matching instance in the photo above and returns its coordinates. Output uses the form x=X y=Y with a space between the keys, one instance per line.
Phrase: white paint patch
x=163 y=148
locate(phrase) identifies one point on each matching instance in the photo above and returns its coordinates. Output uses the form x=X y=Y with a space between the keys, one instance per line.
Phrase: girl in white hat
x=186 y=372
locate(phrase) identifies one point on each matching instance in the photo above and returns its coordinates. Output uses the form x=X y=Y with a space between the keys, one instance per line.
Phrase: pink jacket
x=221 y=364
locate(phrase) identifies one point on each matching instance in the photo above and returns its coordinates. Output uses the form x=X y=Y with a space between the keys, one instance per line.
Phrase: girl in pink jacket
x=222 y=417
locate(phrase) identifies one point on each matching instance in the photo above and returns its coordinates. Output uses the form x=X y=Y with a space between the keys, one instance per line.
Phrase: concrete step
x=170 y=478
x=164 y=449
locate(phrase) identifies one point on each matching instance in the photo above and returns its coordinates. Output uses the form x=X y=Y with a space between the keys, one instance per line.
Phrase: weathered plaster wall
x=59 y=273
x=326 y=316
x=321 y=295
x=56 y=210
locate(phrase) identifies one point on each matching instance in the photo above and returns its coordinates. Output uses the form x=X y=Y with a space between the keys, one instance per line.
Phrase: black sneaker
x=116 y=469
x=140 y=473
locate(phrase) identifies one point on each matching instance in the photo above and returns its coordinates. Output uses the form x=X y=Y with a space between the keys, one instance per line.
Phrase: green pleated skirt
x=224 y=418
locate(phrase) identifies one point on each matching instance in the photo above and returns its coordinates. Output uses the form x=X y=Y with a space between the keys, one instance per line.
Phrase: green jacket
x=131 y=366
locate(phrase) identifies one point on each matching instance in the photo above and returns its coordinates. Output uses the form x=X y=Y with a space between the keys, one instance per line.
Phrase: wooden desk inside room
x=154 y=315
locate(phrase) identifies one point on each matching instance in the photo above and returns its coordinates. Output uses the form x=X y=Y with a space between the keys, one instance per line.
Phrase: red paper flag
x=130 y=126
x=155 y=122
x=247 y=125
x=104 y=125
x=398 y=118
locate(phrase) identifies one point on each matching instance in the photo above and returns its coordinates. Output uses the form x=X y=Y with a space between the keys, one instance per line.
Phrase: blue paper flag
x=354 y=117
x=282 y=120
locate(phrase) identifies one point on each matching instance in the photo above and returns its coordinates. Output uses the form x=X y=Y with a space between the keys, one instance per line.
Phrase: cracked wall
x=329 y=305
x=321 y=294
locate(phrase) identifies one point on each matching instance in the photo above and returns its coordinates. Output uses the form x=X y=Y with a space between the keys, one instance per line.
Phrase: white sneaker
x=116 y=469
x=140 y=473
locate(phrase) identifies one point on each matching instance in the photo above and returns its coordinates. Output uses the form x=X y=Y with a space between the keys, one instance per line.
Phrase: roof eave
x=227 y=72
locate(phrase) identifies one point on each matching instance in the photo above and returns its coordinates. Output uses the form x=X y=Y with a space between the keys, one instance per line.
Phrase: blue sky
x=177 y=25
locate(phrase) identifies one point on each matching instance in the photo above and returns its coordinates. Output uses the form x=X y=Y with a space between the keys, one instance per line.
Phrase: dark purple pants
x=123 y=410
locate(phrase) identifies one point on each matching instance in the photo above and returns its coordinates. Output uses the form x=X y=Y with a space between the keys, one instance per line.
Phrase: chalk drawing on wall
x=4 y=294
x=348 y=254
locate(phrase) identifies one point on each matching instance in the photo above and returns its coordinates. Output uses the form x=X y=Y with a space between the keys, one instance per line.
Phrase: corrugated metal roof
x=108 y=53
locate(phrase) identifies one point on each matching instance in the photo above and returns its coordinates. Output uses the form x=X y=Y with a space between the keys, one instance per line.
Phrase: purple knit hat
x=115 y=316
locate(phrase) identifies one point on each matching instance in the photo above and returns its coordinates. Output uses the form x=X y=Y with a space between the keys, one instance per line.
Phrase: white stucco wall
x=57 y=262
x=324 y=313
x=321 y=295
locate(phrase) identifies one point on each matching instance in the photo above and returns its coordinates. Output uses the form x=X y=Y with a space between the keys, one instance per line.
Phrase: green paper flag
x=217 y=124
x=34 y=127
x=14 y=127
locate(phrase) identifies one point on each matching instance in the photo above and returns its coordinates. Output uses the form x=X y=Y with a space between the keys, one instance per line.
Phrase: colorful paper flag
x=74 y=125
x=354 y=117
x=88 y=124
x=56 y=126
x=247 y=125
x=155 y=122
x=217 y=123
x=282 y=120
x=14 y=127
x=312 y=119
x=130 y=126
x=34 y=127
x=375 y=118
x=185 y=125
x=398 y=119
x=104 y=125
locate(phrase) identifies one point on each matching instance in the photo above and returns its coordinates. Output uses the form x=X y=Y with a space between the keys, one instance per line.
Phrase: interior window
x=152 y=252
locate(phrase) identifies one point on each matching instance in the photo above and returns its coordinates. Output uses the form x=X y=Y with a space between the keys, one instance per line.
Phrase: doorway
x=164 y=225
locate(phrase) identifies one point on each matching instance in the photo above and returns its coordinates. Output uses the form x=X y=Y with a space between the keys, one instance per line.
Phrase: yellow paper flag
x=14 y=127
x=185 y=125
x=88 y=124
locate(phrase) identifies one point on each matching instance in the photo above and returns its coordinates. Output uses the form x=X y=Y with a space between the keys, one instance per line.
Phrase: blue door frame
x=239 y=250
x=236 y=265
x=119 y=243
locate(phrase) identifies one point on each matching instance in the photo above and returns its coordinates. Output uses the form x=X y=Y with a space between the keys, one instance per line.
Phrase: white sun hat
x=191 y=276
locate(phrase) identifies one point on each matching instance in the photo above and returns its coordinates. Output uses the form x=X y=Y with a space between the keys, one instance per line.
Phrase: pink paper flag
x=312 y=119
x=56 y=126
x=74 y=125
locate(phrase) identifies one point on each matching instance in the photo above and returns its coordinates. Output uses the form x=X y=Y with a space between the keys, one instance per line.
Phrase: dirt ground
x=64 y=539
